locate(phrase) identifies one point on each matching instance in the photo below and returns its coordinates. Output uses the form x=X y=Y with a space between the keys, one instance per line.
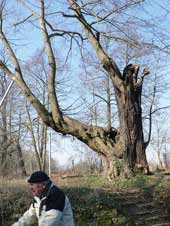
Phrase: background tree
x=10 y=134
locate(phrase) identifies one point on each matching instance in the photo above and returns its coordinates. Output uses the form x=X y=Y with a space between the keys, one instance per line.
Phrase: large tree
x=125 y=143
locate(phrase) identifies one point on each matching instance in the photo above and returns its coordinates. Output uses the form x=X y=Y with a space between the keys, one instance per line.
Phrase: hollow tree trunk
x=131 y=128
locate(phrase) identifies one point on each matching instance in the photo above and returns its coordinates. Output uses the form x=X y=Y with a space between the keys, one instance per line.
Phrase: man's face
x=37 y=189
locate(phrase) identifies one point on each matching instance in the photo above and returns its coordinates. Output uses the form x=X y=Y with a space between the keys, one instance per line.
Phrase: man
x=50 y=207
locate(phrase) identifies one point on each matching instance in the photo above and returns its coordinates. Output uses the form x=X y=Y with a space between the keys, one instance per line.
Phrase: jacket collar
x=46 y=191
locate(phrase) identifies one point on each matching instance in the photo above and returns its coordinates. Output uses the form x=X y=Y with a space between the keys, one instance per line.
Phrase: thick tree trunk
x=109 y=169
x=131 y=128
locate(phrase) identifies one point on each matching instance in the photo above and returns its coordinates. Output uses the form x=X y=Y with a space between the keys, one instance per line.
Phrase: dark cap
x=38 y=177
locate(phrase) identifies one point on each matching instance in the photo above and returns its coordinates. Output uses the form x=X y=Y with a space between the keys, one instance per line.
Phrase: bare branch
x=106 y=61
x=59 y=32
x=150 y=117
x=57 y=115
x=115 y=10
x=6 y=70
x=100 y=97
x=24 y=20
x=17 y=76
x=27 y=7
x=89 y=3
x=161 y=108
x=10 y=53
x=62 y=13
x=144 y=73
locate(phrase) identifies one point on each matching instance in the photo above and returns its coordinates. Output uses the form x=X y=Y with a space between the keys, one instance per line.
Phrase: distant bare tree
x=9 y=140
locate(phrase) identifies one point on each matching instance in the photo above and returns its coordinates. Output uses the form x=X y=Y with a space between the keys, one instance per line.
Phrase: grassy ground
x=93 y=198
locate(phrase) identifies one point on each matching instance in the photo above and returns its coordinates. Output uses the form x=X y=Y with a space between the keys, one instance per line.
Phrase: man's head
x=38 y=181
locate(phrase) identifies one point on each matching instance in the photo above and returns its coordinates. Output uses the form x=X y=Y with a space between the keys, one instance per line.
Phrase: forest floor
x=140 y=201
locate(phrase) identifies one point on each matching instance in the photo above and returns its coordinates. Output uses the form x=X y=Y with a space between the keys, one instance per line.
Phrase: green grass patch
x=94 y=200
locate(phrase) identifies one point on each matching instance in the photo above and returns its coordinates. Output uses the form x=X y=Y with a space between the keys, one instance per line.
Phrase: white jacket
x=51 y=210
